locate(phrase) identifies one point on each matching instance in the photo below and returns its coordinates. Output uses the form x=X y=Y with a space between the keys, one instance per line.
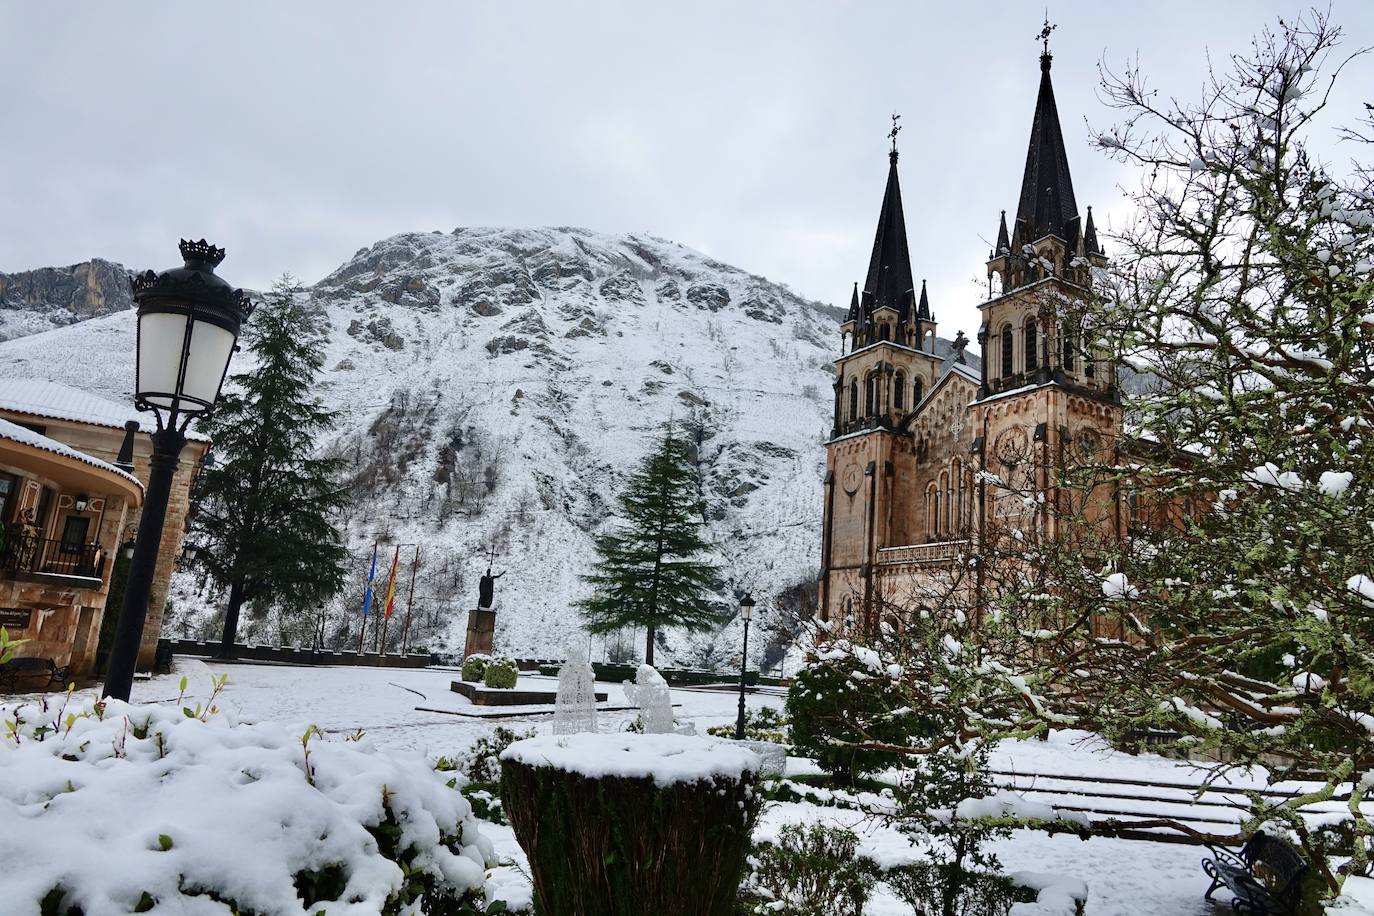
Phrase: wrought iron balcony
x=25 y=555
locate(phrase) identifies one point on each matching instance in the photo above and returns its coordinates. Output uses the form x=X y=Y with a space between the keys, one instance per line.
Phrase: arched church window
x=1006 y=350
x=957 y=482
x=899 y=392
x=871 y=396
x=883 y=330
x=1068 y=349
x=1030 y=346
x=917 y=391
x=853 y=399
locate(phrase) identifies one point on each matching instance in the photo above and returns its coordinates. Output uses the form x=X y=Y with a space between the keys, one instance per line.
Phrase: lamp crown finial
x=202 y=252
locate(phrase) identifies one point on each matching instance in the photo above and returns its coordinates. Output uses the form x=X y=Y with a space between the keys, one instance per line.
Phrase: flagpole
x=386 y=607
x=410 y=597
x=366 y=587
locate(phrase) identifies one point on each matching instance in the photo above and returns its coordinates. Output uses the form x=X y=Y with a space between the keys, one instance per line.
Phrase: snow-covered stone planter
x=626 y=824
x=114 y=808
x=772 y=756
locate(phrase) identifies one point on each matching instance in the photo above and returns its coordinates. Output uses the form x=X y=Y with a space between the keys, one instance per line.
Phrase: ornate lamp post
x=188 y=327
x=746 y=613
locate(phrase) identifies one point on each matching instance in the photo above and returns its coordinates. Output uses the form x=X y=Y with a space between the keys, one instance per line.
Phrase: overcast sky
x=296 y=133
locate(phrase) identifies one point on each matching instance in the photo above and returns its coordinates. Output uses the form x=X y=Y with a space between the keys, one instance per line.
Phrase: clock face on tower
x=850 y=479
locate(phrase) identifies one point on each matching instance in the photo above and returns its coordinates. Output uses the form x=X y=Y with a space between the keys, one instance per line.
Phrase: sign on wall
x=15 y=618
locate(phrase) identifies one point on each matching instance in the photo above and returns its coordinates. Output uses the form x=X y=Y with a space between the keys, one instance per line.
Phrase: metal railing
x=22 y=552
x=938 y=552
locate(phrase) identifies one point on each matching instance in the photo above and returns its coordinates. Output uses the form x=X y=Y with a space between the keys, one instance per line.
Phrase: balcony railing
x=938 y=552
x=25 y=553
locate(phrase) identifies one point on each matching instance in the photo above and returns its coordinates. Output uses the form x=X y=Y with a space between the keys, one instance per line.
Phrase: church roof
x=889 y=281
x=1047 y=205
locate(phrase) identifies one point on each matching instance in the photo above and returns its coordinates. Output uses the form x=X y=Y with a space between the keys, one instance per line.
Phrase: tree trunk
x=649 y=645
x=231 y=619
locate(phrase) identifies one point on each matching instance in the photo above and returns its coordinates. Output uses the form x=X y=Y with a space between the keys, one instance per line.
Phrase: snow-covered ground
x=1123 y=876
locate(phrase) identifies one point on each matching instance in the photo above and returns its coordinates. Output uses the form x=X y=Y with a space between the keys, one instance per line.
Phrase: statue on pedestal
x=482 y=619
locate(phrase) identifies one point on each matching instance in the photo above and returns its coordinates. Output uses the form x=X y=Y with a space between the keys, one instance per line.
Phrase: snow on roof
x=16 y=433
x=42 y=398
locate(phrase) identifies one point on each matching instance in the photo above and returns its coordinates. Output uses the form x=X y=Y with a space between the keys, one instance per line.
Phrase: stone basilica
x=903 y=490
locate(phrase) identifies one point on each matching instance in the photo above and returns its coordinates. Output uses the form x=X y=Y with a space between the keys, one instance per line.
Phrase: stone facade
x=95 y=427
x=925 y=452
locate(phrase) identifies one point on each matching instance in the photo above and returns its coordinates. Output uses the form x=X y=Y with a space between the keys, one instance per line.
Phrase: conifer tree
x=650 y=572
x=262 y=527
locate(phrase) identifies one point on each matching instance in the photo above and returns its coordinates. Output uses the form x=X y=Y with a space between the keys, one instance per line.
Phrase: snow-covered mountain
x=496 y=385
x=36 y=300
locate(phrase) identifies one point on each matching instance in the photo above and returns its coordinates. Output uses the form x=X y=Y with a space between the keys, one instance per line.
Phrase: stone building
x=920 y=442
x=78 y=428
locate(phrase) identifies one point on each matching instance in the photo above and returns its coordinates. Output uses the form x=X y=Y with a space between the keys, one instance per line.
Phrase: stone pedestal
x=481 y=628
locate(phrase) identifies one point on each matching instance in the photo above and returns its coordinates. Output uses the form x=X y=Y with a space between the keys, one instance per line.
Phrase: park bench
x=31 y=668
x=1265 y=876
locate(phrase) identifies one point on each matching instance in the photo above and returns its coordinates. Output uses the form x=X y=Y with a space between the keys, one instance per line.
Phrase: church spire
x=853 y=314
x=889 y=280
x=1047 y=205
x=923 y=310
x=1003 y=242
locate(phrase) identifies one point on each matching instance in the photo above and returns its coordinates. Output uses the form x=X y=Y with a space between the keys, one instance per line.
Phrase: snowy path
x=1125 y=878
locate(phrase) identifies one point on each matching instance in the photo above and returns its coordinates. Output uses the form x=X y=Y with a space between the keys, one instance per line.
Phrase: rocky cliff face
x=495 y=386
x=37 y=300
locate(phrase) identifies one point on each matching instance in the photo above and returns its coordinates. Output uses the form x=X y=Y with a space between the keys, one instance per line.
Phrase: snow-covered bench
x=1241 y=874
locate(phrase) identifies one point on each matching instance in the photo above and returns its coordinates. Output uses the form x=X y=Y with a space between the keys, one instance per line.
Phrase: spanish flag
x=391 y=585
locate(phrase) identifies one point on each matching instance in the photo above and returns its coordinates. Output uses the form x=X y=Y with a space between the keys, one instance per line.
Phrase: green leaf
x=164 y=842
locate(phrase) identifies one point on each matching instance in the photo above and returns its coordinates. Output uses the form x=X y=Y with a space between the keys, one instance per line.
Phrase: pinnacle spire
x=1090 y=235
x=1003 y=241
x=1047 y=205
x=889 y=280
x=853 y=313
x=923 y=310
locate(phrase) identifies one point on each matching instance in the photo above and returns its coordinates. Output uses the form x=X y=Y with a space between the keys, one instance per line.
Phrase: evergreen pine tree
x=262 y=527
x=649 y=571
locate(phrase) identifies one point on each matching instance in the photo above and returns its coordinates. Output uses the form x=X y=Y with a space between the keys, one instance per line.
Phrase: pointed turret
x=1047 y=205
x=853 y=313
x=889 y=280
x=923 y=310
x=1003 y=241
x=1090 y=245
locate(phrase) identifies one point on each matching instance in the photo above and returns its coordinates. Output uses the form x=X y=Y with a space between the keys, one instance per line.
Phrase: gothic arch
x=899 y=391
x=1006 y=347
x=1029 y=348
x=853 y=399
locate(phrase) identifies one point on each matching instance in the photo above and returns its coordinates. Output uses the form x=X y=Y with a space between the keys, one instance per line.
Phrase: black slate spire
x=1090 y=236
x=1003 y=242
x=1047 y=205
x=923 y=310
x=889 y=269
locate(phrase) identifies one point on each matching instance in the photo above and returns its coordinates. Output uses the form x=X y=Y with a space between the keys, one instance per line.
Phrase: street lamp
x=188 y=327
x=746 y=613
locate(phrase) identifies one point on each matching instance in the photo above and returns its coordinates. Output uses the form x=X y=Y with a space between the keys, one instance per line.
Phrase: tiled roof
x=41 y=398
x=16 y=433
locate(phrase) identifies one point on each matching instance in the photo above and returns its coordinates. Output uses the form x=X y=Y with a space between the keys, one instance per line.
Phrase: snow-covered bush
x=809 y=871
x=475 y=666
x=502 y=673
x=115 y=808
x=845 y=696
x=763 y=724
x=940 y=889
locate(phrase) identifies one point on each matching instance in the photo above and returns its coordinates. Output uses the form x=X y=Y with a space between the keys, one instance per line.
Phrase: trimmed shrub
x=763 y=724
x=501 y=673
x=624 y=825
x=475 y=667
x=845 y=697
x=809 y=871
x=945 y=889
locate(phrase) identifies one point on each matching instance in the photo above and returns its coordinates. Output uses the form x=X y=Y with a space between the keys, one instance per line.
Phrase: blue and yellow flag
x=367 y=592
